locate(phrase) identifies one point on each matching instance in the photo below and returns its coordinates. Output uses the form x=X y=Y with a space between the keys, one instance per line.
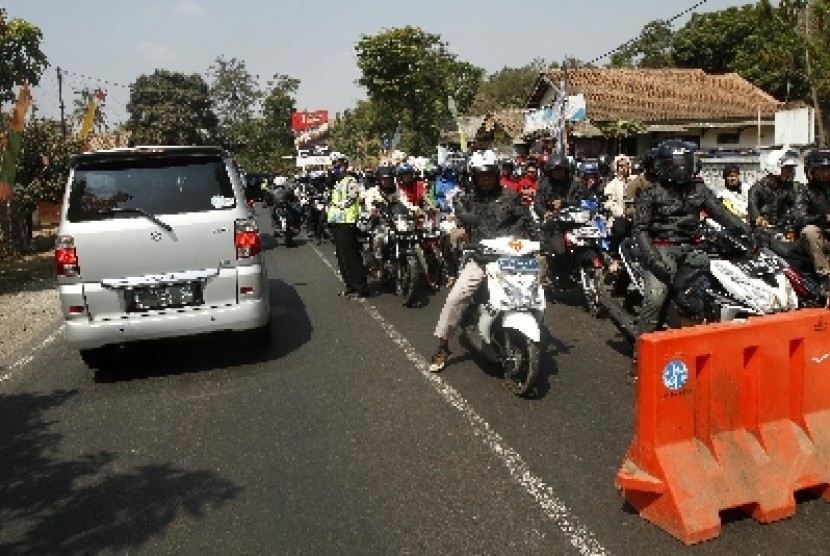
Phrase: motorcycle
x=587 y=241
x=503 y=322
x=400 y=266
x=798 y=268
x=287 y=222
x=738 y=281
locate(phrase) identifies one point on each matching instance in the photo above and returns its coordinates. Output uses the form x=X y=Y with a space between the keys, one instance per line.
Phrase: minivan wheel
x=97 y=358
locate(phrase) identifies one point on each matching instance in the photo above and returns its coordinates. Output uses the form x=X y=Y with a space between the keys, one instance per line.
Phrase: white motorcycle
x=503 y=323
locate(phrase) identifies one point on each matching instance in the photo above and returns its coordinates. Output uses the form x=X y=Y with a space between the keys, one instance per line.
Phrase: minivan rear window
x=156 y=185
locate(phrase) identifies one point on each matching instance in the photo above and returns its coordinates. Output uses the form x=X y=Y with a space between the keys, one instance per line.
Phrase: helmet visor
x=680 y=168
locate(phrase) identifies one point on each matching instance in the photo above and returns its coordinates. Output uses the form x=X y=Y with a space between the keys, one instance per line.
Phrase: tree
x=235 y=96
x=43 y=163
x=409 y=74
x=651 y=49
x=271 y=137
x=506 y=88
x=171 y=108
x=711 y=41
x=360 y=132
x=21 y=58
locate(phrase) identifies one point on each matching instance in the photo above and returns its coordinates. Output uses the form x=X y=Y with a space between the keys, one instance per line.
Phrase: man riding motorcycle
x=771 y=199
x=375 y=200
x=551 y=194
x=666 y=220
x=488 y=211
x=812 y=213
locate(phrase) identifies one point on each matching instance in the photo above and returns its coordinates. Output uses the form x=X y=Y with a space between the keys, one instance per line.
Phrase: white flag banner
x=549 y=117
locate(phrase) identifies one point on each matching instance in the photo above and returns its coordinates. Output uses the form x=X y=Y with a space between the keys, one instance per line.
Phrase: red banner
x=301 y=121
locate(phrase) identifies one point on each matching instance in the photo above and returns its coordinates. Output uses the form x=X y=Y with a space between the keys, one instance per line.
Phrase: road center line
x=582 y=538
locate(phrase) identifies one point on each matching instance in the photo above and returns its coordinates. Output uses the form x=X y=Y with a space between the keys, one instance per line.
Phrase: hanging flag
x=462 y=137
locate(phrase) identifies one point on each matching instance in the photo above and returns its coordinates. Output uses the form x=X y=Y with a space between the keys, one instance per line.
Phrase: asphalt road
x=336 y=440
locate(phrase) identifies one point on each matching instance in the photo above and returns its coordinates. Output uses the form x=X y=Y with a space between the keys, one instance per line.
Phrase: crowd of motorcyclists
x=654 y=204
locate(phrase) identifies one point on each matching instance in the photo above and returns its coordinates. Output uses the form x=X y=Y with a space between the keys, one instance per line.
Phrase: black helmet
x=729 y=168
x=816 y=158
x=674 y=161
x=556 y=161
x=385 y=172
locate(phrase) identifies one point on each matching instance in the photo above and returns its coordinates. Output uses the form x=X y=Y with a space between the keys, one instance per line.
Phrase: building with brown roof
x=715 y=111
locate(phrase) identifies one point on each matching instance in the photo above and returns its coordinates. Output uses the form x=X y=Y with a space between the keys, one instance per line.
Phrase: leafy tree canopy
x=21 y=58
x=169 y=108
x=409 y=74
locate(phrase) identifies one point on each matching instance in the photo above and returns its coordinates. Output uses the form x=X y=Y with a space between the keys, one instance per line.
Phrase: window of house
x=729 y=138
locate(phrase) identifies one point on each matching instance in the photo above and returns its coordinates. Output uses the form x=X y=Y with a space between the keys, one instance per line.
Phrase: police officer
x=488 y=211
x=812 y=212
x=342 y=213
x=667 y=217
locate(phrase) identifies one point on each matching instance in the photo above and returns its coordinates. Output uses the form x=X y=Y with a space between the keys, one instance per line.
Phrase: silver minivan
x=157 y=242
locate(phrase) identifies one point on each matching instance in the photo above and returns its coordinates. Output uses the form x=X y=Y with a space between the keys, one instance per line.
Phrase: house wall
x=748 y=137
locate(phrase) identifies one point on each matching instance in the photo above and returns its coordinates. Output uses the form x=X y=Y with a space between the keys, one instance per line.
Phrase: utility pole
x=60 y=100
x=808 y=43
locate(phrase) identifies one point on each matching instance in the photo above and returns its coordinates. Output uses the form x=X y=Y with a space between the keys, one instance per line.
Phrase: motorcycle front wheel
x=407 y=280
x=593 y=280
x=520 y=362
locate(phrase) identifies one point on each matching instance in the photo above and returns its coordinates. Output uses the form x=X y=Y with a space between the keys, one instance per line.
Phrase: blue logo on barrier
x=675 y=374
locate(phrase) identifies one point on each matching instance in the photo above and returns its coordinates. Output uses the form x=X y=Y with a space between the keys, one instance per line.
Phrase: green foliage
x=235 y=95
x=713 y=40
x=170 y=108
x=651 y=49
x=359 y=132
x=21 y=58
x=506 y=88
x=44 y=162
x=269 y=138
x=409 y=74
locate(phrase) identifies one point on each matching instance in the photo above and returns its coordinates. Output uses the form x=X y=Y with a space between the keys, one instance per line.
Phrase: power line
x=641 y=35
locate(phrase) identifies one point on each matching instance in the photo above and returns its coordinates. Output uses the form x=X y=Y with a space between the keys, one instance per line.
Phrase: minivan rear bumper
x=83 y=334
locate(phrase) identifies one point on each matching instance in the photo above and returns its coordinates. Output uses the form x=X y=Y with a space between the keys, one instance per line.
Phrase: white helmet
x=484 y=161
x=773 y=161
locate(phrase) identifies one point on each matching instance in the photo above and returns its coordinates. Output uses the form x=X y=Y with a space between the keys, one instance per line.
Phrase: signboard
x=795 y=127
x=301 y=121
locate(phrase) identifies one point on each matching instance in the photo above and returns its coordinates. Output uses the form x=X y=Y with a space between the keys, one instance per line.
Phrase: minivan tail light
x=247 y=239
x=66 y=258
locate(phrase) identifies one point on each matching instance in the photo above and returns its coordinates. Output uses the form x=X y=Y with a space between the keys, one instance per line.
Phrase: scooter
x=503 y=322
x=287 y=222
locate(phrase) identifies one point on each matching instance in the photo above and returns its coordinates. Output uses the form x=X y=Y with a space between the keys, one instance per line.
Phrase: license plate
x=168 y=296
x=519 y=264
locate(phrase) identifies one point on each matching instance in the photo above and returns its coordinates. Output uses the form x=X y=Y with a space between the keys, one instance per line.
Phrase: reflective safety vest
x=339 y=194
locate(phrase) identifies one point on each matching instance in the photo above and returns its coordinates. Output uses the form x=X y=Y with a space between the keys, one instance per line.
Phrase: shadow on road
x=290 y=329
x=50 y=504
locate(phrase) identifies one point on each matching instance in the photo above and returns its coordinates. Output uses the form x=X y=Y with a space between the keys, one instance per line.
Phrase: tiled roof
x=660 y=95
x=511 y=121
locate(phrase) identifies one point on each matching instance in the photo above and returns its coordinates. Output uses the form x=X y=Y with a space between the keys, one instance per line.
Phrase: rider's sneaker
x=439 y=359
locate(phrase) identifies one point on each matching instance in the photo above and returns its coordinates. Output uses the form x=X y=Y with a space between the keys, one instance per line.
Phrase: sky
x=110 y=43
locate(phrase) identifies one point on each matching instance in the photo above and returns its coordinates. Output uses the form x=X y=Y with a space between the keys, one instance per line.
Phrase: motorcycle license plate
x=519 y=264
x=164 y=296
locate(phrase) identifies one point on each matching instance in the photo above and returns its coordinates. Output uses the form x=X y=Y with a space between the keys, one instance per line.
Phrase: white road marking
x=582 y=538
x=30 y=356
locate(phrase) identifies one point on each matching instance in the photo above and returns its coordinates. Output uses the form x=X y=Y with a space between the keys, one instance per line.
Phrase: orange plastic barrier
x=730 y=415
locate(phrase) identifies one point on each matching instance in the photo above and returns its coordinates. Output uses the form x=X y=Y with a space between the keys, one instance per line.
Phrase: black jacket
x=812 y=205
x=671 y=214
x=579 y=192
x=548 y=191
x=499 y=212
x=773 y=202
